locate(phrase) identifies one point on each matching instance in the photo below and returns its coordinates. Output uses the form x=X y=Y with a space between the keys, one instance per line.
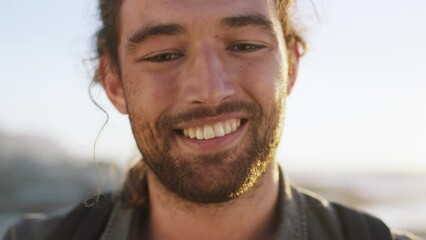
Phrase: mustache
x=167 y=121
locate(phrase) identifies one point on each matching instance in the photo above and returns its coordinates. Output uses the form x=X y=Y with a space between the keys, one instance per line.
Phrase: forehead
x=136 y=13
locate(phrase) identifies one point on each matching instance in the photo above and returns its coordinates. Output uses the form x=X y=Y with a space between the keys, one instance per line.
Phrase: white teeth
x=191 y=133
x=233 y=124
x=208 y=132
x=219 y=129
x=227 y=127
x=199 y=133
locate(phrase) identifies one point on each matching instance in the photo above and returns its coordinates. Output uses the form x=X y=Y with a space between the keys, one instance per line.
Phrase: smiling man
x=204 y=84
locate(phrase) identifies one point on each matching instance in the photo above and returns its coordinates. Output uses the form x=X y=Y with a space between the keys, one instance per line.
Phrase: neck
x=250 y=216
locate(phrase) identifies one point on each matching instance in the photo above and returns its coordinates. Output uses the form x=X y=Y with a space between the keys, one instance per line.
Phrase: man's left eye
x=162 y=57
x=246 y=47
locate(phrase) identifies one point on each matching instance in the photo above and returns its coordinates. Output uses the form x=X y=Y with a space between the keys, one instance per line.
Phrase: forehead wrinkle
x=256 y=20
x=143 y=34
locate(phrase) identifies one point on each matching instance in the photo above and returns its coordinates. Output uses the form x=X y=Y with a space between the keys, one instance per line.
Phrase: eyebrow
x=147 y=32
x=258 y=20
x=174 y=29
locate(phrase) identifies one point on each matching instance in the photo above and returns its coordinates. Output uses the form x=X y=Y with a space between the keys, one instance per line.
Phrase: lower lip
x=214 y=144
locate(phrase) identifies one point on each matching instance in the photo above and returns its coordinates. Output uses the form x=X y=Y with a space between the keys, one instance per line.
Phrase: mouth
x=214 y=130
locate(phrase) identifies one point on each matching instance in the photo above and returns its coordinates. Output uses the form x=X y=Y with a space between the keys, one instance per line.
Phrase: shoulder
x=62 y=224
x=35 y=226
x=351 y=223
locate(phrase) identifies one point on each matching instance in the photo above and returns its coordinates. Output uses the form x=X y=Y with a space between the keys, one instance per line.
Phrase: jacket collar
x=292 y=217
x=292 y=222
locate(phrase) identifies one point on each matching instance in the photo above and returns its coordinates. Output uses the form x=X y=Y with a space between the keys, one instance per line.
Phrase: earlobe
x=111 y=82
x=293 y=67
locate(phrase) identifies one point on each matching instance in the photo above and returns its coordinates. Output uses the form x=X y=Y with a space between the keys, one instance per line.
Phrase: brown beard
x=210 y=178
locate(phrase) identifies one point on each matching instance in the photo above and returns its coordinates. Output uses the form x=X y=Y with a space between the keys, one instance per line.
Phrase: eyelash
x=240 y=47
x=163 y=57
x=246 y=47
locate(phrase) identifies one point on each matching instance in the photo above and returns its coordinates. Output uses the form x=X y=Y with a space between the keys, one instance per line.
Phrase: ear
x=111 y=81
x=293 y=67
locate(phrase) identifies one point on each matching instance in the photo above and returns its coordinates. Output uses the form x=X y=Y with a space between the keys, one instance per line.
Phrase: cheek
x=264 y=81
x=149 y=94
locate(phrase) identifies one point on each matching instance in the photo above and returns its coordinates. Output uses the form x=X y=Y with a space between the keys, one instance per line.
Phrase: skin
x=203 y=67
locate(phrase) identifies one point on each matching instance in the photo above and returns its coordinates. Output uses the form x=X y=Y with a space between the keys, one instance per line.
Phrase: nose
x=206 y=80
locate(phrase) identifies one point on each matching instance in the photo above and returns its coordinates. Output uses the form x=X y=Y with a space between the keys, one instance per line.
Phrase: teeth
x=199 y=133
x=227 y=127
x=191 y=133
x=233 y=125
x=208 y=132
x=219 y=129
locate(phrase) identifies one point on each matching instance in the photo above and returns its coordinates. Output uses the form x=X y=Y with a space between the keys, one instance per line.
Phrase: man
x=204 y=84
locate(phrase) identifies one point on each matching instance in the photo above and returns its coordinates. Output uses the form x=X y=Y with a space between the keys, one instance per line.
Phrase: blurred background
x=355 y=127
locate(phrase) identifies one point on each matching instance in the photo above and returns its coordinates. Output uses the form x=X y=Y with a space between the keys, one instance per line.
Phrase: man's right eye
x=163 y=57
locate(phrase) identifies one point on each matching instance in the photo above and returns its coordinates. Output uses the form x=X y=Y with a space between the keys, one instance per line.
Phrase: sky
x=359 y=103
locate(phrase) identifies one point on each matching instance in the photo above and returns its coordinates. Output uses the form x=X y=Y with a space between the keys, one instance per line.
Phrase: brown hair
x=107 y=39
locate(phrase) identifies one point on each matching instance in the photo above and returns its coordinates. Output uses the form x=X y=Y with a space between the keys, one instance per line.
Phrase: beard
x=210 y=178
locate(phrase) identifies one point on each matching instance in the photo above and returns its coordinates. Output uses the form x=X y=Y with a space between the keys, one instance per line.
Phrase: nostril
x=213 y=100
x=197 y=102
x=224 y=99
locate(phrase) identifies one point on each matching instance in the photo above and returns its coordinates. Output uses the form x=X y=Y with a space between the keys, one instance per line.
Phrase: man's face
x=205 y=85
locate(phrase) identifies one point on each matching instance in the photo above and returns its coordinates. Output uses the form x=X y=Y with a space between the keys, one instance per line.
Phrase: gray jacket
x=303 y=216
